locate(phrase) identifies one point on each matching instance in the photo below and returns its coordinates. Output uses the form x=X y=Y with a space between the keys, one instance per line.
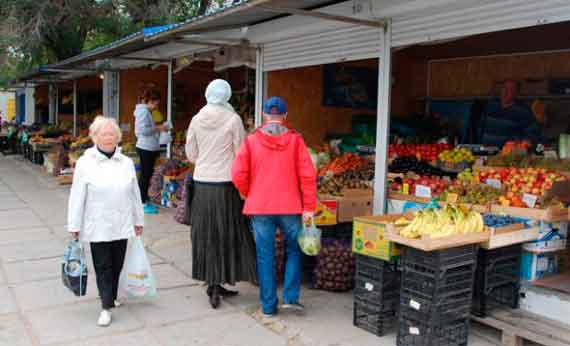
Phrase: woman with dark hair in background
x=148 y=146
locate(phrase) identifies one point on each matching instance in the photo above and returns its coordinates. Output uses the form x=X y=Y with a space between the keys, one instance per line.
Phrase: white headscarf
x=219 y=93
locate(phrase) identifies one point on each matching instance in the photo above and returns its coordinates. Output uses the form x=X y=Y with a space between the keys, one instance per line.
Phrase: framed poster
x=351 y=87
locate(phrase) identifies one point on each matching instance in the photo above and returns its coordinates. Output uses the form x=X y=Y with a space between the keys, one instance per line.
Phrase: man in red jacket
x=274 y=173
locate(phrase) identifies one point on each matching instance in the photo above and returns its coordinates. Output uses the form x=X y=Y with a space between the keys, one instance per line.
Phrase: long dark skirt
x=223 y=248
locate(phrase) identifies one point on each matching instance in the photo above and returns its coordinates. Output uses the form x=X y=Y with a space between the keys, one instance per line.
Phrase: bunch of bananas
x=439 y=223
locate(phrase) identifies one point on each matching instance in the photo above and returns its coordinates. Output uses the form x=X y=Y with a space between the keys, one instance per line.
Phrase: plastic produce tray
x=418 y=333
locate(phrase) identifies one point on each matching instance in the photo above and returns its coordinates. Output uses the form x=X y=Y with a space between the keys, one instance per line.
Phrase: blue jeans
x=264 y=228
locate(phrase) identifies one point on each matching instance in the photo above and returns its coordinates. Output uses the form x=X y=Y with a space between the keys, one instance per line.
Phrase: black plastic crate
x=444 y=309
x=376 y=319
x=428 y=283
x=441 y=259
x=377 y=269
x=338 y=231
x=497 y=280
x=419 y=333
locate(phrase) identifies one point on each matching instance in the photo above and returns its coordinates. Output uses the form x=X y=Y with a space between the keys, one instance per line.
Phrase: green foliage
x=37 y=32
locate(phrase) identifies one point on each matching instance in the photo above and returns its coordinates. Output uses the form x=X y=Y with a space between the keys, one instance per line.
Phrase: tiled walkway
x=35 y=308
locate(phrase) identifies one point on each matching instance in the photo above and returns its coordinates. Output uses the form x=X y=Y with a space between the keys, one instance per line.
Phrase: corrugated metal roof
x=243 y=13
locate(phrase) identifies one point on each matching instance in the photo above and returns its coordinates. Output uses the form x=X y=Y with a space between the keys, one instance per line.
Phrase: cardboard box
x=353 y=204
x=551 y=237
x=537 y=266
x=368 y=237
x=326 y=214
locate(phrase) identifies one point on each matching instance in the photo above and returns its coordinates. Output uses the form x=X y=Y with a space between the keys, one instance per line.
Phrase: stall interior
x=444 y=96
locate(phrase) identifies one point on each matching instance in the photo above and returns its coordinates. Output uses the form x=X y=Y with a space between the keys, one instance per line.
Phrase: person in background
x=223 y=249
x=105 y=208
x=148 y=146
x=273 y=171
x=509 y=120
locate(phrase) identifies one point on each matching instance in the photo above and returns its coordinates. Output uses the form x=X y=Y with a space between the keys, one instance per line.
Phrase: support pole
x=169 y=103
x=259 y=87
x=56 y=105
x=383 y=121
x=75 y=108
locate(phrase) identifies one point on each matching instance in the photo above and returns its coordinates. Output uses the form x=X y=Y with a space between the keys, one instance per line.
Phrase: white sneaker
x=104 y=318
x=118 y=304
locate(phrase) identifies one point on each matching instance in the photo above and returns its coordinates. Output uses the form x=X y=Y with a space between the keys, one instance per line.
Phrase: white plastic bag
x=309 y=239
x=137 y=280
x=165 y=138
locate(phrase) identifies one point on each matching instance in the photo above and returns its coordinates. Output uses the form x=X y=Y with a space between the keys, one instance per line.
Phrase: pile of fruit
x=334 y=270
x=334 y=185
x=529 y=161
x=408 y=164
x=426 y=152
x=466 y=192
x=518 y=181
x=457 y=155
x=345 y=162
x=497 y=221
x=515 y=147
x=440 y=223
x=81 y=142
x=436 y=185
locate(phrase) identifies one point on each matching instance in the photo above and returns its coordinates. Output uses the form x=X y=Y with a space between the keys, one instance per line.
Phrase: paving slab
x=222 y=330
x=37 y=295
x=36 y=270
x=13 y=331
x=74 y=322
x=136 y=338
x=25 y=235
x=11 y=203
x=21 y=218
x=51 y=212
x=7 y=301
x=169 y=277
x=31 y=250
x=176 y=305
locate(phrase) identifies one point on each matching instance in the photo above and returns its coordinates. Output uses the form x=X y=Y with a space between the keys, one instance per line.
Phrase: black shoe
x=215 y=297
x=227 y=293
x=295 y=307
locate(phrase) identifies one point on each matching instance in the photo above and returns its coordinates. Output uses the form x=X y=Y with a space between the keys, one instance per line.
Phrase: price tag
x=550 y=154
x=368 y=286
x=452 y=198
x=414 y=331
x=423 y=191
x=530 y=200
x=406 y=189
x=494 y=183
x=415 y=305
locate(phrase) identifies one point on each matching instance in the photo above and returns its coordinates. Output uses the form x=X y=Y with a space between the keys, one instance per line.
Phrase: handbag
x=74 y=268
x=189 y=186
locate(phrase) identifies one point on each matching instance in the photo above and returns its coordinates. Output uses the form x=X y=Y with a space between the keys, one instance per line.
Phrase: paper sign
x=415 y=304
x=369 y=287
x=423 y=191
x=530 y=200
x=494 y=183
x=550 y=154
x=414 y=331
x=452 y=198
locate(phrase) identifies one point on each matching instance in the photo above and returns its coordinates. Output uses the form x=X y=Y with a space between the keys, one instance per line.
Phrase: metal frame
x=383 y=122
x=259 y=87
x=74 y=108
x=170 y=91
x=325 y=16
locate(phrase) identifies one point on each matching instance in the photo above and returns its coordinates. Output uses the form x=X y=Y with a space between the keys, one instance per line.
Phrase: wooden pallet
x=517 y=326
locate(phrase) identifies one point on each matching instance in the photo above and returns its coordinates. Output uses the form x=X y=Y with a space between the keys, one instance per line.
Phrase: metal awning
x=251 y=12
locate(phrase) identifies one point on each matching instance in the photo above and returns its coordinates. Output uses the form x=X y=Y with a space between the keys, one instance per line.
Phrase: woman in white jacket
x=105 y=208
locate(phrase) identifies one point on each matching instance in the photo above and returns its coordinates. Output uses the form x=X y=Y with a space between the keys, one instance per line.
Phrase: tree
x=36 y=32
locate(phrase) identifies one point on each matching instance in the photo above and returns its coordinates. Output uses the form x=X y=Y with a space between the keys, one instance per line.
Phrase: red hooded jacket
x=275 y=174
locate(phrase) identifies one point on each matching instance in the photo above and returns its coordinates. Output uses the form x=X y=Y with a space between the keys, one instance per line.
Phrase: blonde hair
x=99 y=122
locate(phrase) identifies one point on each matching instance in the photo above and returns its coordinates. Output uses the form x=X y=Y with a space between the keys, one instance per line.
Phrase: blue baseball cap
x=275 y=106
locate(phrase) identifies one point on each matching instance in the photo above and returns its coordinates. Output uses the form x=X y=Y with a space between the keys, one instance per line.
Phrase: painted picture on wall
x=352 y=87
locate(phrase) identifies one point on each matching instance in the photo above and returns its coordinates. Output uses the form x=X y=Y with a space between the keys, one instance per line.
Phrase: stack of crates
x=376 y=294
x=436 y=295
x=497 y=280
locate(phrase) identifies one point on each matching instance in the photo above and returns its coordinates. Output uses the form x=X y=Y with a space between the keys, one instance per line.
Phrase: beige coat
x=214 y=137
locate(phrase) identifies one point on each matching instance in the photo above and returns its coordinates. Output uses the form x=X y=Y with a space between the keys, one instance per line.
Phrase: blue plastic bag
x=74 y=268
